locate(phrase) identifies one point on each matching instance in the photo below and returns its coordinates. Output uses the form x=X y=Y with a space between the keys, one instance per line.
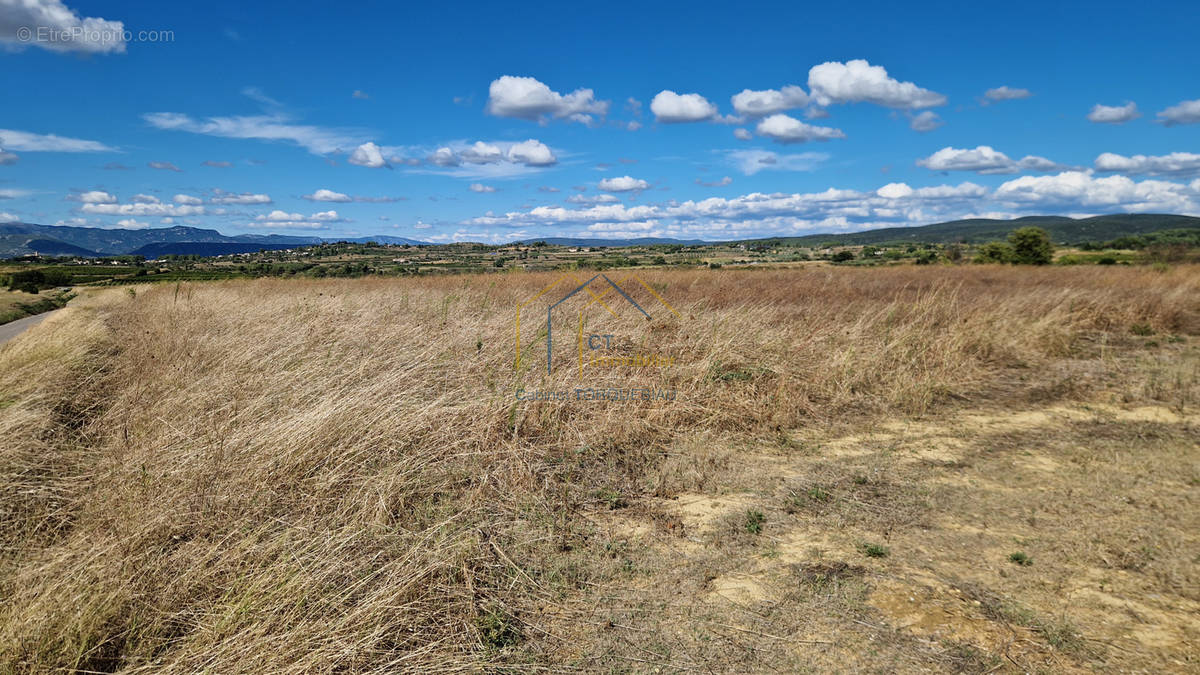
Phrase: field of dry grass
x=335 y=476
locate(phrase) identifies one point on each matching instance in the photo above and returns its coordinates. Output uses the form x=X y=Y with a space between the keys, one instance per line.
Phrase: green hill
x=1062 y=230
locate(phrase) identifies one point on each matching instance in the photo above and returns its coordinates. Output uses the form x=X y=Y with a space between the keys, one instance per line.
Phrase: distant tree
x=954 y=253
x=994 y=252
x=842 y=256
x=868 y=253
x=1031 y=246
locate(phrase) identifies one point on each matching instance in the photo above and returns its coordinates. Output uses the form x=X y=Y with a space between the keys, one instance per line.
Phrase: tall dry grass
x=334 y=475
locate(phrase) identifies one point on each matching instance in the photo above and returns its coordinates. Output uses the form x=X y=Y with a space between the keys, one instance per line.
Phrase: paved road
x=12 y=329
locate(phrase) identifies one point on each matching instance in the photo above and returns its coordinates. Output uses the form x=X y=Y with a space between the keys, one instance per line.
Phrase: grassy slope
x=1062 y=230
x=299 y=476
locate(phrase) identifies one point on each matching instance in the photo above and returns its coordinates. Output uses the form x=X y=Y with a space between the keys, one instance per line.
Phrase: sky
x=480 y=122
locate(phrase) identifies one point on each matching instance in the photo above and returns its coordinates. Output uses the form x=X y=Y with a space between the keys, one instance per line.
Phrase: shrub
x=754 y=521
x=842 y=256
x=1031 y=246
x=1020 y=558
x=994 y=252
x=875 y=551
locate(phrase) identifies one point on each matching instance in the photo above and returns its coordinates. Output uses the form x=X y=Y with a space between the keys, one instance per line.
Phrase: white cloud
x=317 y=140
x=498 y=159
x=360 y=95
x=715 y=183
x=131 y=224
x=750 y=162
x=7 y=158
x=96 y=197
x=1174 y=164
x=480 y=187
x=284 y=220
x=531 y=153
x=742 y=134
x=24 y=141
x=143 y=209
x=324 y=195
x=51 y=25
x=6 y=217
x=187 y=199
x=769 y=101
x=1114 y=114
x=858 y=81
x=1080 y=189
x=592 y=200
x=144 y=199
x=984 y=160
x=222 y=197
x=1005 y=93
x=481 y=153
x=13 y=193
x=756 y=212
x=784 y=129
x=368 y=155
x=925 y=121
x=163 y=166
x=623 y=184
x=529 y=99
x=669 y=107
x=1184 y=112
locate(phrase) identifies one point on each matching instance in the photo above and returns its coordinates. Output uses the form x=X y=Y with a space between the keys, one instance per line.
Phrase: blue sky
x=442 y=121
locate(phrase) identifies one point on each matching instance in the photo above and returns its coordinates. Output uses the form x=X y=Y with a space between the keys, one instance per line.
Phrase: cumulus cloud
x=368 y=155
x=529 y=99
x=131 y=224
x=984 y=160
x=95 y=197
x=623 y=184
x=715 y=183
x=323 y=195
x=531 y=153
x=1173 y=164
x=480 y=187
x=276 y=127
x=51 y=25
x=925 y=121
x=592 y=200
x=1083 y=190
x=750 y=162
x=163 y=166
x=6 y=217
x=24 y=141
x=187 y=199
x=12 y=193
x=145 y=199
x=858 y=81
x=1005 y=93
x=143 y=209
x=1114 y=114
x=498 y=159
x=244 y=198
x=755 y=212
x=284 y=220
x=1184 y=112
x=7 y=158
x=784 y=129
x=769 y=101
x=670 y=108
x=742 y=134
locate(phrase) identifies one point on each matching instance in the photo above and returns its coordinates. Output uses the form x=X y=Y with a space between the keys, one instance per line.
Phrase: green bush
x=994 y=252
x=1031 y=246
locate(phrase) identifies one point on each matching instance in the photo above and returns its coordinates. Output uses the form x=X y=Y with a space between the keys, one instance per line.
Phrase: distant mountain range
x=17 y=239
